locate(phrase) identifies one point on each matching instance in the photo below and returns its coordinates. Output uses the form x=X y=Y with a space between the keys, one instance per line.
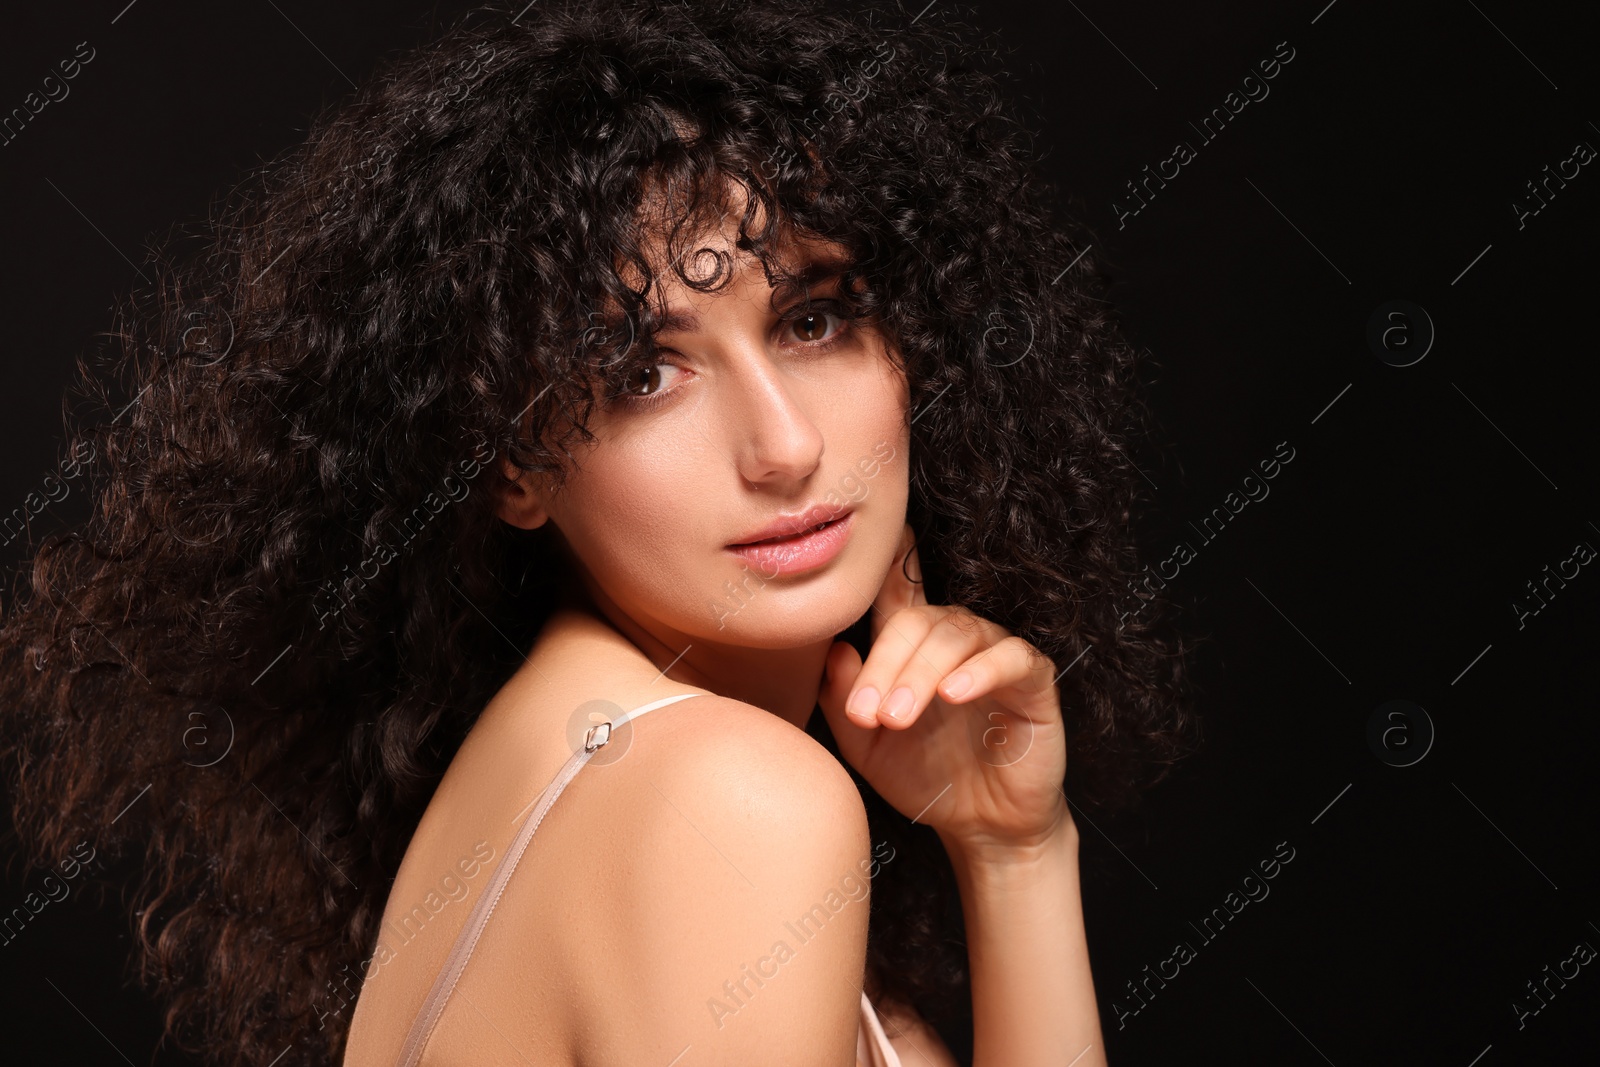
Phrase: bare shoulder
x=735 y=892
x=732 y=774
x=722 y=742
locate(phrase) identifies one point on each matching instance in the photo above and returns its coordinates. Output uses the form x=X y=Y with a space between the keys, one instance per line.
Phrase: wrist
x=983 y=851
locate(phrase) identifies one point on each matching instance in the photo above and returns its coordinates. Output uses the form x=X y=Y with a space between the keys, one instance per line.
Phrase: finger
x=842 y=666
x=897 y=590
x=840 y=671
x=908 y=656
x=895 y=645
x=1009 y=663
x=910 y=683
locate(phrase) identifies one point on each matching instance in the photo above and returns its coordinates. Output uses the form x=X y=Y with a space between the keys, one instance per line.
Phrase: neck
x=783 y=681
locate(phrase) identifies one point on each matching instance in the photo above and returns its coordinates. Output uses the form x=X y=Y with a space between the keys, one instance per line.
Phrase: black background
x=1382 y=566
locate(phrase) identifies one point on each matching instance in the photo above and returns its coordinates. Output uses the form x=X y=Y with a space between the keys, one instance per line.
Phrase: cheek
x=880 y=417
x=870 y=440
x=858 y=393
x=632 y=515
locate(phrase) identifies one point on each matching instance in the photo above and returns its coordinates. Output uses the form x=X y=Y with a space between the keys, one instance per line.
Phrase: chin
x=789 y=612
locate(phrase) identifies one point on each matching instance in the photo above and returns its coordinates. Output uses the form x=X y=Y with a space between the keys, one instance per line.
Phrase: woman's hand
x=982 y=762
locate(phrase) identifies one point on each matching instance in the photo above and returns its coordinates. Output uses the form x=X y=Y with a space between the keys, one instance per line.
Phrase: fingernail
x=899 y=704
x=864 y=703
x=957 y=684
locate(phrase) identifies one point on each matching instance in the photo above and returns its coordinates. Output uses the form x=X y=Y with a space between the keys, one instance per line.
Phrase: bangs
x=699 y=223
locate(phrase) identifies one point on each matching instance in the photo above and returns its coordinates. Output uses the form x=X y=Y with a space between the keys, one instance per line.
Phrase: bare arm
x=1033 y=999
x=967 y=688
x=741 y=930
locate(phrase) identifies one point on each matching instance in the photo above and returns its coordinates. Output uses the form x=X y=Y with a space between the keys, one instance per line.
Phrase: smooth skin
x=961 y=690
x=662 y=875
x=654 y=880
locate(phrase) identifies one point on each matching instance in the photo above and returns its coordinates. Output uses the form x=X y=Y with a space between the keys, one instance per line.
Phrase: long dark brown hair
x=246 y=672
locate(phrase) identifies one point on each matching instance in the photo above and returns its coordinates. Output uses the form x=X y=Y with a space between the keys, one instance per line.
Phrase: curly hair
x=290 y=540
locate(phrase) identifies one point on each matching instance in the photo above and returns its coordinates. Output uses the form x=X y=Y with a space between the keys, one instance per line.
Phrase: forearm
x=1033 y=1000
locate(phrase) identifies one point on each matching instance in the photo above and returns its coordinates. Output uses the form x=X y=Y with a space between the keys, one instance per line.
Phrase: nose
x=773 y=436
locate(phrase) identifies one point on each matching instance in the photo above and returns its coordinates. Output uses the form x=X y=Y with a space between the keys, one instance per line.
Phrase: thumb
x=842 y=666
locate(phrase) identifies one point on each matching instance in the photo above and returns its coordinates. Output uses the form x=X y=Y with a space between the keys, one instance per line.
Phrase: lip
x=804 y=552
x=788 y=526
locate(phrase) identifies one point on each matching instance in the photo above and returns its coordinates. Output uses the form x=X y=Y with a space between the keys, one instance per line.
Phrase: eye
x=810 y=324
x=643 y=386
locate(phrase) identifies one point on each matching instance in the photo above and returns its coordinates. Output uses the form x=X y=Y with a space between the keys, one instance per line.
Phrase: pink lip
x=801 y=553
x=787 y=526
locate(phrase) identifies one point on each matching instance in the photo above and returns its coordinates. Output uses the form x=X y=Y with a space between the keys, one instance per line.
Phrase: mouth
x=807 y=532
x=798 y=551
x=800 y=524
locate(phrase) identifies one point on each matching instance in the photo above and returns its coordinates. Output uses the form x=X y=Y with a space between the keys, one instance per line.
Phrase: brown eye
x=812 y=323
x=643 y=387
x=811 y=327
x=644 y=381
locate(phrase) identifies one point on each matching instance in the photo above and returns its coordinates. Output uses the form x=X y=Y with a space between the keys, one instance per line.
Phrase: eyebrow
x=675 y=322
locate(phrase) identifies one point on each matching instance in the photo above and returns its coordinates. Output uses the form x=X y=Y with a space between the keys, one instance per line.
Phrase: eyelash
x=644 y=403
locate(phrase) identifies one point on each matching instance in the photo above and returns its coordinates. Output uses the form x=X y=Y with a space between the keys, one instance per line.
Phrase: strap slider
x=597 y=736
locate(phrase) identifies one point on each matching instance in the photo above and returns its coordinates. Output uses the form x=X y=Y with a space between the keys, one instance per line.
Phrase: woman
x=506 y=411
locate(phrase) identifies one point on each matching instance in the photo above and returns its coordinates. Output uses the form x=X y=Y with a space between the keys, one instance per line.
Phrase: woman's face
x=753 y=415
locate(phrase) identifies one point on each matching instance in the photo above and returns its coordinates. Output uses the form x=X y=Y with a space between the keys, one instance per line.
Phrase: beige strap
x=872 y=1044
x=433 y=1008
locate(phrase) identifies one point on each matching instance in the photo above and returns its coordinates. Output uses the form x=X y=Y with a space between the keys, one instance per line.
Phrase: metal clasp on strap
x=597 y=736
